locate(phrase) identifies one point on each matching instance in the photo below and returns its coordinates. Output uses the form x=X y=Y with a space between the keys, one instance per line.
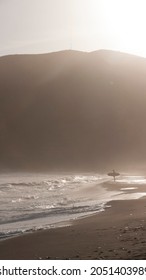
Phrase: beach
x=119 y=232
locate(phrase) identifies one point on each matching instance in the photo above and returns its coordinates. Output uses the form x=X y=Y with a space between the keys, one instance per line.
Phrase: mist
x=72 y=111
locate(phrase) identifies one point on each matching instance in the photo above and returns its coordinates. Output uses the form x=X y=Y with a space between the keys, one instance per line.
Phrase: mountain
x=72 y=111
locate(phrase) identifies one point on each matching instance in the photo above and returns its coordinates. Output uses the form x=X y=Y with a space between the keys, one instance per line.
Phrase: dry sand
x=117 y=233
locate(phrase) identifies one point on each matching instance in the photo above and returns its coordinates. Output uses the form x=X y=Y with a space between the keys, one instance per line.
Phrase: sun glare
x=125 y=22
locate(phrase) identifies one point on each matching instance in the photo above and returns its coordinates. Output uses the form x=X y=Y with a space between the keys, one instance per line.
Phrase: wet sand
x=117 y=233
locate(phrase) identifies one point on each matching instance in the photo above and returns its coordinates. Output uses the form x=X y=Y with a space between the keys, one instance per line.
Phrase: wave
x=81 y=211
x=28 y=202
x=140 y=180
x=54 y=211
x=64 y=180
x=9 y=233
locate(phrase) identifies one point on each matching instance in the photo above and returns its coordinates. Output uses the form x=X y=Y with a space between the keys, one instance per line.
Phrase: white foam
x=132 y=179
x=127 y=189
x=34 y=200
x=136 y=195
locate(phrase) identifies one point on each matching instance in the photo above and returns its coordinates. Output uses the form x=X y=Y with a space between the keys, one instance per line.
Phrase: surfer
x=113 y=174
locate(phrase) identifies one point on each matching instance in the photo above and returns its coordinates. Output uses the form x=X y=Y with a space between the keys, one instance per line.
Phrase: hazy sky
x=36 y=26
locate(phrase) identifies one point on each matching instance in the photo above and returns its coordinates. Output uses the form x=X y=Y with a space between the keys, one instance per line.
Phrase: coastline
x=116 y=233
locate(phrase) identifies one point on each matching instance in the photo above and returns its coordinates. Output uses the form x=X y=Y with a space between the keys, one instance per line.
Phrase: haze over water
x=37 y=201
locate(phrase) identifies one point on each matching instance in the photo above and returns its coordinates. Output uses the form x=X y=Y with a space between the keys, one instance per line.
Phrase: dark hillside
x=72 y=111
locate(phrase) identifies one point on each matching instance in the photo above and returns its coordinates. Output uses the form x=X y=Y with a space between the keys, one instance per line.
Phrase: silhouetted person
x=113 y=174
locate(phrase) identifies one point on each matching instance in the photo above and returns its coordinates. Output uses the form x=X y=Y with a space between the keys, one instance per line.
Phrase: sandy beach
x=117 y=233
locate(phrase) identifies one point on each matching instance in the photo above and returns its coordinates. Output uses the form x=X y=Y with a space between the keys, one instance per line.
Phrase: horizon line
x=73 y=50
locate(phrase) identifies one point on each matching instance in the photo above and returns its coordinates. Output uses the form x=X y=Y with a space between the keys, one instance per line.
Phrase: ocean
x=30 y=202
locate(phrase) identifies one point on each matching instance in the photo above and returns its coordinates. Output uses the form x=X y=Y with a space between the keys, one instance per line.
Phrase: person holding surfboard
x=113 y=174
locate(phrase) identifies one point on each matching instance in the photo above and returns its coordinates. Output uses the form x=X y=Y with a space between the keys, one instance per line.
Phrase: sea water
x=30 y=202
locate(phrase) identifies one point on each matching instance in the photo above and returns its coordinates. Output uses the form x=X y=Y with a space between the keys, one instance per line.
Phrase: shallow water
x=30 y=202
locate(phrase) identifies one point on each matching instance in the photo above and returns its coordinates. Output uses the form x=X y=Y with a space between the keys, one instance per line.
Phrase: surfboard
x=114 y=174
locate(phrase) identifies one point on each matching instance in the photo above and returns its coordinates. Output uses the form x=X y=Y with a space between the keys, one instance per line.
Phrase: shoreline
x=116 y=233
x=58 y=220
